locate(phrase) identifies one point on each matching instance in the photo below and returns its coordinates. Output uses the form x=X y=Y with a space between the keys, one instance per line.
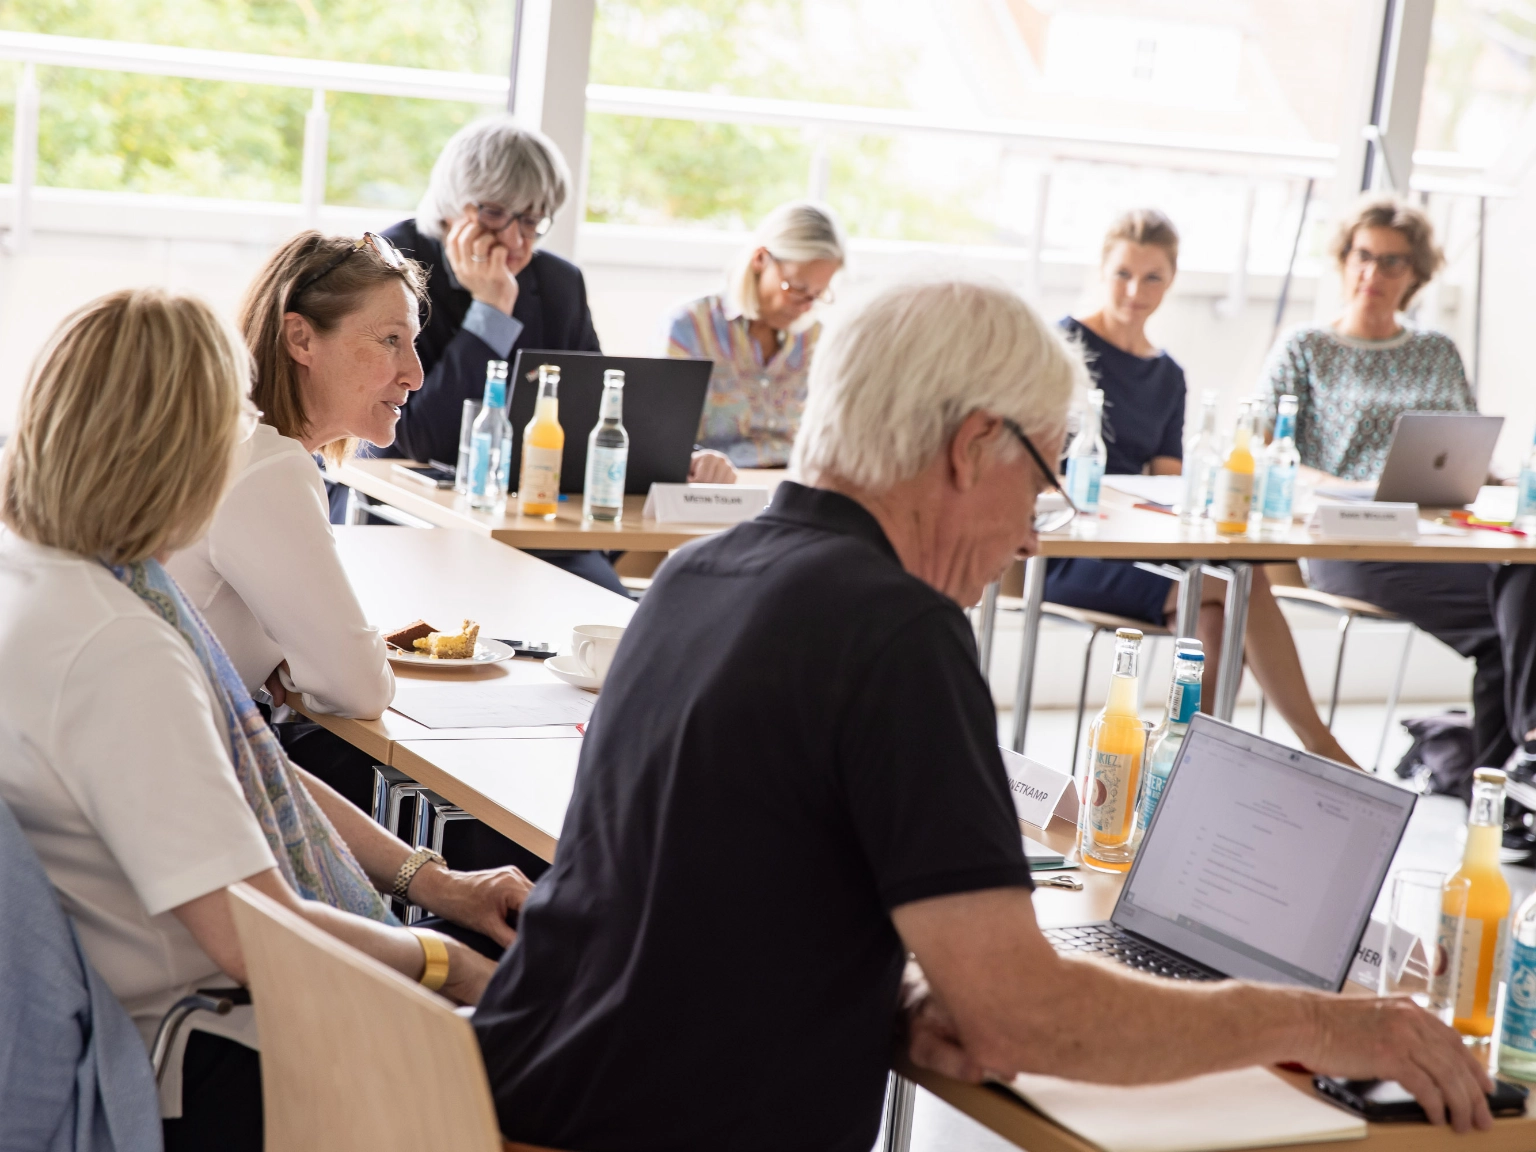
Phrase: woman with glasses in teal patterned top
x=1352 y=379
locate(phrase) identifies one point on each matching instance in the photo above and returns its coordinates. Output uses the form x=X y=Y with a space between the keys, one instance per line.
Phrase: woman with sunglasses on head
x=330 y=322
x=1144 y=393
x=761 y=333
x=1352 y=379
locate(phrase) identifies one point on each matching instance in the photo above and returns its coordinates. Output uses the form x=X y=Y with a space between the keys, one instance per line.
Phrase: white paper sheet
x=499 y=703
x=1246 y=1108
x=1167 y=490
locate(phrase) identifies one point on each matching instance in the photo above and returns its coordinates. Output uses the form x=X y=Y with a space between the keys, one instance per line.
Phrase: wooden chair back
x=354 y=1056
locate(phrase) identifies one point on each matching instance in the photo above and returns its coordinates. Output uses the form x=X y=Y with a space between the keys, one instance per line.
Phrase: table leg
x=1189 y=599
x=1034 y=597
x=1233 y=628
x=988 y=630
x=900 y=1099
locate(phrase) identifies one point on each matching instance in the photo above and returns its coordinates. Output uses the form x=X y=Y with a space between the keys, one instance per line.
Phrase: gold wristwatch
x=414 y=863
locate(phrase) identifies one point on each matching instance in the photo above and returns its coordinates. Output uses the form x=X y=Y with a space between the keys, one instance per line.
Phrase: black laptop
x=1261 y=862
x=663 y=401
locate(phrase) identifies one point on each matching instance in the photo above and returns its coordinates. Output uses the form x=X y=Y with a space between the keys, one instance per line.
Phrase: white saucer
x=486 y=652
x=572 y=671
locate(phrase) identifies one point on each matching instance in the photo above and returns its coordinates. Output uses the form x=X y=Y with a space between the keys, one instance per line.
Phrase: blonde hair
x=796 y=232
x=1413 y=225
x=1144 y=226
x=325 y=304
x=892 y=381
x=124 y=439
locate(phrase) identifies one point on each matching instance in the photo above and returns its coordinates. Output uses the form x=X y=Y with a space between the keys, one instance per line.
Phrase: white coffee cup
x=593 y=645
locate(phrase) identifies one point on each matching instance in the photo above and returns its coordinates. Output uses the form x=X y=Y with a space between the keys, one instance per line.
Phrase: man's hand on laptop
x=1392 y=1038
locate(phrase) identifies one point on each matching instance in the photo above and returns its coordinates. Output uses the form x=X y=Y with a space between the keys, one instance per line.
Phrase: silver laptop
x=1439 y=459
x=1261 y=862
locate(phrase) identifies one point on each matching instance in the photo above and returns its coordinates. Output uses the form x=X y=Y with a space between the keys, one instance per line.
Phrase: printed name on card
x=1039 y=792
x=703 y=503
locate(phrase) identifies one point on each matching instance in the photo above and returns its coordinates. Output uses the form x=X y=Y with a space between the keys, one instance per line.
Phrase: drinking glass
x=1421 y=950
x=1111 y=783
x=466 y=426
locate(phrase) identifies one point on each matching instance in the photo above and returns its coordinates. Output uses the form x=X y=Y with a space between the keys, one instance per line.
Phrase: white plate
x=572 y=671
x=486 y=652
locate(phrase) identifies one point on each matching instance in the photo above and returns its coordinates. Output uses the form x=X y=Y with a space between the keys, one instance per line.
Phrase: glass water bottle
x=490 y=439
x=1517 y=1039
x=1277 y=497
x=1201 y=456
x=1525 y=510
x=1086 y=456
x=1168 y=737
x=607 y=454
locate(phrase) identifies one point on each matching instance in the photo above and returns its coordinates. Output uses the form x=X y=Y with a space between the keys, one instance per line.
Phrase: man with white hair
x=792 y=780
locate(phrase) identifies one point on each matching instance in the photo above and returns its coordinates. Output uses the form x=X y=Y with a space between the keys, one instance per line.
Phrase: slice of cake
x=405 y=638
x=458 y=645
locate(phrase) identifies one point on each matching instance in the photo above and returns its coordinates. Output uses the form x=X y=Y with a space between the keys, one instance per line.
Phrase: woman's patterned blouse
x=753 y=410
x=1350 y=392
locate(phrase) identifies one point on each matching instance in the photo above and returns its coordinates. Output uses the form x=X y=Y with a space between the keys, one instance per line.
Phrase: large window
x=1266 y=73
x=118 y=132
x=1481 y=79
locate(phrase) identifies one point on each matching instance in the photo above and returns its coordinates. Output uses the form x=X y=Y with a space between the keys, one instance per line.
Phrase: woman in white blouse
x=135 y=761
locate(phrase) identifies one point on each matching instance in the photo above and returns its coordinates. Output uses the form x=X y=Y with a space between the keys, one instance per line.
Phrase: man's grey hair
x=893 y=380
x=796 y=232
x=493 y=161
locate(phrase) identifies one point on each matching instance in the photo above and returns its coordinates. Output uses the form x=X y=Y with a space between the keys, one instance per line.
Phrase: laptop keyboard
x=1107 y=940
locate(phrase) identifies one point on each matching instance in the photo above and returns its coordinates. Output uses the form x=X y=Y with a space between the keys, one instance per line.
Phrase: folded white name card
x=1039 y=792
x=1403 y=950
x=704 y=503
x=1374 y=521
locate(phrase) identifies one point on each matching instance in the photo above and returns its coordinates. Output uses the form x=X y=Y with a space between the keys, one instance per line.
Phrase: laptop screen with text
x=1263 y=862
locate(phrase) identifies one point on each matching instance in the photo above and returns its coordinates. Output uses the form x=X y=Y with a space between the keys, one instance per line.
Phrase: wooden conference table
x=568 y=530
x=522 y=786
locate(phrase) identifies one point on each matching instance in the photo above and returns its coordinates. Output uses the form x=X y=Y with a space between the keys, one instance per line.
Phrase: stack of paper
x=1164 y=490
x=1246 y=1108
x=497 y=703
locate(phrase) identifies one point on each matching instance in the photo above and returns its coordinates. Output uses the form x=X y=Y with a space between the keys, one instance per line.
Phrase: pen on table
x=1147 y=506
x=1467 y=520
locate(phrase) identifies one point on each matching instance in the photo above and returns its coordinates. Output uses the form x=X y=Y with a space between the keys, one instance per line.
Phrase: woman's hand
x=482 y=264
x=711 y=467
x=468 y=972
x=478 y=900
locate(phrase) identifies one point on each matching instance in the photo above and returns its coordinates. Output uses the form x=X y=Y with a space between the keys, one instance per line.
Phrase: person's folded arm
x=480 y=900
x=1002 y=1001
x=212 y=924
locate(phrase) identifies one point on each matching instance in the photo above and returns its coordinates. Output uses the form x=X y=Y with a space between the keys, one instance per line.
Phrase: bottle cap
x=1489 y=776
x=1127 y=633
x=1186 y=655
x=1188 y=644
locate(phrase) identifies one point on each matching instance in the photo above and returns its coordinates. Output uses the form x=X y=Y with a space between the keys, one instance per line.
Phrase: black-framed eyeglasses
x=381 y=246
x=1050 y=519
x=495 y=218
x=799 y=292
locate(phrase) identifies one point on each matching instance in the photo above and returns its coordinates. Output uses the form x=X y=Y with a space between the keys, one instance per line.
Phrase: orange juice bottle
x=538 y=484
x=1233 y=498
x=1116 y=751
x=1482 y=940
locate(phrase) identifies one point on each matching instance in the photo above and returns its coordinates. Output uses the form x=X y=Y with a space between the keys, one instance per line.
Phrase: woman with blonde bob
x=139 y=768
x=760 y=333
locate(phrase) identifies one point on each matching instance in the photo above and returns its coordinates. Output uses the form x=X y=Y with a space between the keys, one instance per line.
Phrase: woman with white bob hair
x=761 y=333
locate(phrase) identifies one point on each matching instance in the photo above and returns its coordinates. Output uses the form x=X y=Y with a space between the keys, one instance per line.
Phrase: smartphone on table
x=1387 y=1101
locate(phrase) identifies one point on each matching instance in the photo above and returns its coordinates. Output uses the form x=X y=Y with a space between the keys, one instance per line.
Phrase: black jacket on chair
x=552 y=305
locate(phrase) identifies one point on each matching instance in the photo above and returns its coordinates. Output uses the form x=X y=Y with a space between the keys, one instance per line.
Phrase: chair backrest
x=354 y=1056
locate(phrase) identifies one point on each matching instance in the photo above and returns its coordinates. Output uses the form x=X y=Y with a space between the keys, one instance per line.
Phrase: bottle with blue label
x=607 y=454
x=1525 y=510
x=1517 y=1040
x=1281 y=461
x=1168 y=737
x=1086 y=456
x=490 y=443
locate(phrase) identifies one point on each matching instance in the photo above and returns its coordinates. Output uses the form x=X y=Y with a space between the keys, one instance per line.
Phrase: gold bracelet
x=434 y=972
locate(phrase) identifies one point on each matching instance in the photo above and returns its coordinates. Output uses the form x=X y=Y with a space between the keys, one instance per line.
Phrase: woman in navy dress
x=1143 y=432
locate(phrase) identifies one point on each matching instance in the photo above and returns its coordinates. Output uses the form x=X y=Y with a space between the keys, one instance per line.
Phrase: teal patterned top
x=1349 y=392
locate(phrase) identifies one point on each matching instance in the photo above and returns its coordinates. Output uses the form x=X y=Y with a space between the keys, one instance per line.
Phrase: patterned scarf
x=312 y=858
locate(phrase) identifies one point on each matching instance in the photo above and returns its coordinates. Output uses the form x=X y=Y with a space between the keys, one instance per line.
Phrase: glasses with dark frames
x=381 y=246
x=1052 y=519
x=495 y=218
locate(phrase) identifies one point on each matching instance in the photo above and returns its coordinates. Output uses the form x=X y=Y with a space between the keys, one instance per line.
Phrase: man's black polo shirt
x=794 y=739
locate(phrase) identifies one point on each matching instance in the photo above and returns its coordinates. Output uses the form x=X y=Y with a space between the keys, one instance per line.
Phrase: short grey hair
x=495 y=160
x=893 y=380
x=796 y=232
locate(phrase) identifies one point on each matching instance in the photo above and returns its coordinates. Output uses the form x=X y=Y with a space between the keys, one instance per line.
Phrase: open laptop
x=663 y=401
x=1261 y=862
x=1438 y=459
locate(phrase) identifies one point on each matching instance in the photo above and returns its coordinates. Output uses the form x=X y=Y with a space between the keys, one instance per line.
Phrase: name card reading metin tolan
x=1038 y=792
x=1376 y=521
x=703 y=503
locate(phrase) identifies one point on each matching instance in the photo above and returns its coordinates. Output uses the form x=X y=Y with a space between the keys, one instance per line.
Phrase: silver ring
x=478 y=259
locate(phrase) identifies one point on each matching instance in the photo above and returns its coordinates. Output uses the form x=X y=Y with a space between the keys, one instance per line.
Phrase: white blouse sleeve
x=272 y=543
